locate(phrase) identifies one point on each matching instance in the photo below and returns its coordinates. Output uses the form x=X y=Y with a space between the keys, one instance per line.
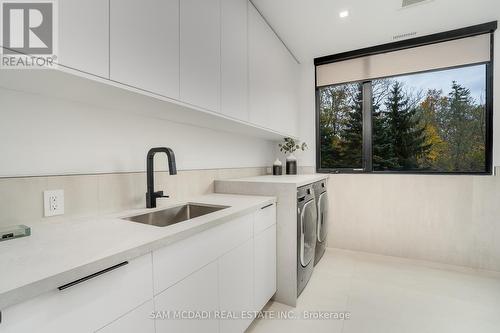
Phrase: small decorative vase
x=291 y=165
x=277 y=168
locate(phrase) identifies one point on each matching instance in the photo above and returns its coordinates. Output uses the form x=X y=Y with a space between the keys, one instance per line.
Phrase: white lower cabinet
x=85 y=307
x=175 y=262
x=195 y=295
x=236 y=288
x=264 y=266
x=137 y=320
x=209 y=282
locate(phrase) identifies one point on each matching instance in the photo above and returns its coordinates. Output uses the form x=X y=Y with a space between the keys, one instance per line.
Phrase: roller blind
x=459 y=52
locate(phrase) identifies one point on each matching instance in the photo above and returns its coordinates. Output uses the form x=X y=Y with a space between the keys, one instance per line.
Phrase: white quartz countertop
x=298 y=180
x=60 y=252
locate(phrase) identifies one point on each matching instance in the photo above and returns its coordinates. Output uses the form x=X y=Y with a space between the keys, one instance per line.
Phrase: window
x=341 y=126
x=433 y=120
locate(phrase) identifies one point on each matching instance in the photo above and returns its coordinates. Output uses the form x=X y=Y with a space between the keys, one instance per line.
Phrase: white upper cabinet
x=286 y=92
x=273 y=100
x=217 y=55
x=234 y=62
x=260 y=45
x=84 y=36
x=200 y=53
x=145 y=45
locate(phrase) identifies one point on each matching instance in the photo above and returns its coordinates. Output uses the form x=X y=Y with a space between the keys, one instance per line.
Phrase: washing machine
x=306 y=235
x=321 y=196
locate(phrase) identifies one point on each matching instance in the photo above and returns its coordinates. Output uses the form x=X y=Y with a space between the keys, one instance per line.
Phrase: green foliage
x=351 y=152
x=435 y=132
x=401 y=138
x=289 y=146
x=341 y=123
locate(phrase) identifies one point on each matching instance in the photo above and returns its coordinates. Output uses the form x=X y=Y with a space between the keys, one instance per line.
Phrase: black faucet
x=151 y=195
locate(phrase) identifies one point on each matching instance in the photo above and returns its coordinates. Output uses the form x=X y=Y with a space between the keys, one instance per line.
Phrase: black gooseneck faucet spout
x=151 y=195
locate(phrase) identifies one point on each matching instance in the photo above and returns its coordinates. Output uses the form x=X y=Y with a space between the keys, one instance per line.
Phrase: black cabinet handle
x=266 y=206
x=88 y=277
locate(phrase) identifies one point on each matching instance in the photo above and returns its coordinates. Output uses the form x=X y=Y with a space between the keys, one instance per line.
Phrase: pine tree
x=351 y=134
x=464 y=130
x=383 y=148
x=405 y=133
x=333 y=105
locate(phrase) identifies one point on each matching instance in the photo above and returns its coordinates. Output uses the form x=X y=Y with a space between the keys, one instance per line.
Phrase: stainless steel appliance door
x=308 y=220
x=322 y=217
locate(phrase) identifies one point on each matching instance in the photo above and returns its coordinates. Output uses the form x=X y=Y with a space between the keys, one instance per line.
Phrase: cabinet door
x=262 y=71
x=264 y=218
x=84 y=36
x=145 y=45
x=176 y=261
x=84 y=307
x=200 y=53
x=265 y=266
x=287 y=86
x=272 y=74
x=236 y=287
x=137 y=320
x=234 y=61
x=198 y=292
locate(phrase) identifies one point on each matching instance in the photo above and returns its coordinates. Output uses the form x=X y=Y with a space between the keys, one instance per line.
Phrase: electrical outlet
x=53 y=202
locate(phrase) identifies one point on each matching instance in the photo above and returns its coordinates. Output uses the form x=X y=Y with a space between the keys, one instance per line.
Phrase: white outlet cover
x=53 y=202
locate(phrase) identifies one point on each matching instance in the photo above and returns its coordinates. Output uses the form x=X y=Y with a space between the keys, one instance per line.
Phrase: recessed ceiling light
x=344 y=14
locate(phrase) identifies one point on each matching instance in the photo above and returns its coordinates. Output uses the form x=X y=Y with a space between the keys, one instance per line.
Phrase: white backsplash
x=21 y=199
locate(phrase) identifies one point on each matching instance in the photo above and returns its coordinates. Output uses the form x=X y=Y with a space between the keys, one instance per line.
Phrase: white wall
x=447 y=219
x=47 y=136
x=307 y=104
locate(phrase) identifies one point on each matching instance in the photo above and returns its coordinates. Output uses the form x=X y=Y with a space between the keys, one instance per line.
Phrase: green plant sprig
x=289 y=146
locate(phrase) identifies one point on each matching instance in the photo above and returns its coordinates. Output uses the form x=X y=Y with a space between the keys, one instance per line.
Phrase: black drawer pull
x=88 y=277
x=266 y=206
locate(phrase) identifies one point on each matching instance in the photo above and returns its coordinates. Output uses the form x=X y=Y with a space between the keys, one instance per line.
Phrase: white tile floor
x=387 y=294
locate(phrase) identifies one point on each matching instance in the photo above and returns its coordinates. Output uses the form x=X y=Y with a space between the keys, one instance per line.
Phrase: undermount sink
x=169 y=216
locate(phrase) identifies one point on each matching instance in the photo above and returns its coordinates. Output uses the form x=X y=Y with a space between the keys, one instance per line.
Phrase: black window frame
x=367 y=167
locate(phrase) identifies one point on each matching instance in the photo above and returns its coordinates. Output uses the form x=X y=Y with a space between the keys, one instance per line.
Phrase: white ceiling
x=312 y=28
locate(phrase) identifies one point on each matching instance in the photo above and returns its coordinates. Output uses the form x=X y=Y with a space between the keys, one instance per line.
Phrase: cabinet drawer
x=175 y=262
x=196 y=293
x=264 y=218
x=138 y=320
x=84 y=307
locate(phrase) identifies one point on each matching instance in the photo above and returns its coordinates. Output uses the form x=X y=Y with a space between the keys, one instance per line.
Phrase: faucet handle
x=159 y=194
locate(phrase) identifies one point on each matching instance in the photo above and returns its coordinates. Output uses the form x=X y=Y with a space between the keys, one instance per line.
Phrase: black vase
x=277 y=170
x=291 y=165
